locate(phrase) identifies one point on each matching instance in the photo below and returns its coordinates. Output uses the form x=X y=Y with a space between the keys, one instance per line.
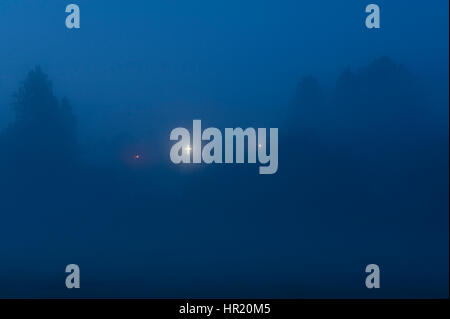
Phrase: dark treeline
x=43 y=133
x=362 y=162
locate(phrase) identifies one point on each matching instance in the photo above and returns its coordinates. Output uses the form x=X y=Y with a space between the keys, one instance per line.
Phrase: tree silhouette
x=380 y=101
x=308 y=100
x=44 y=129
x=308 y=107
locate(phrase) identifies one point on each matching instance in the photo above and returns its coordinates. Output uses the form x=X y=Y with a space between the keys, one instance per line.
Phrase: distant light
x=188 y=149
x=137 y=156
x=259 y=145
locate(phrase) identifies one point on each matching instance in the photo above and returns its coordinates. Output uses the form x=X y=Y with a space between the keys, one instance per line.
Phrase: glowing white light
x=188 y=149
x=259 y=145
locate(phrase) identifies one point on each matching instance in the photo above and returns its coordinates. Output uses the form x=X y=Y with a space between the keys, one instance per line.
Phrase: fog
x=363 y=164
